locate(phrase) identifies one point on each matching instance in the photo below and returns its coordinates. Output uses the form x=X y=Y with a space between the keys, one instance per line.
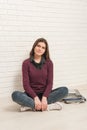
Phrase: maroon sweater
x=35 y=80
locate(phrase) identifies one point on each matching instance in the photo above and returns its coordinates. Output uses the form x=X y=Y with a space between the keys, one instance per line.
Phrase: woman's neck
x=37 y=59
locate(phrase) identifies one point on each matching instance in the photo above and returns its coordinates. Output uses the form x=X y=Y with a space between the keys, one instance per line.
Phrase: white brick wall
x=62 y=22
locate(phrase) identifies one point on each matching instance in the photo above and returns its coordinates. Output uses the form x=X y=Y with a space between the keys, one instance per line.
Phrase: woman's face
x=40 y=49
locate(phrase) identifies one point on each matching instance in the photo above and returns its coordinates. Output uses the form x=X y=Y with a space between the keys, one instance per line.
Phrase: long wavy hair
x=46 y=53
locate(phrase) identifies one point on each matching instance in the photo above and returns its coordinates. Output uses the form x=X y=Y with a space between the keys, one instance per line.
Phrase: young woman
x=38 y=81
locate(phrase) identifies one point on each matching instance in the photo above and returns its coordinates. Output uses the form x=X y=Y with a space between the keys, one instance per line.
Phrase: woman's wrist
x=36 y=97
x=44 y=98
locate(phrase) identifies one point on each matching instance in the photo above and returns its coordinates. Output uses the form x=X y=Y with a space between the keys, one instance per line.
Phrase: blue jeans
x=22 y=98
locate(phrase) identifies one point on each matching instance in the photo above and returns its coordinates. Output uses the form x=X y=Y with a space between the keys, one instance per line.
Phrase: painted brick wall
x=62 y=23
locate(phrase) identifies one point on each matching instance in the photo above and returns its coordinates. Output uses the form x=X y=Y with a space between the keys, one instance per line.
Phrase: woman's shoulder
x=49 y=61
x=26 y=61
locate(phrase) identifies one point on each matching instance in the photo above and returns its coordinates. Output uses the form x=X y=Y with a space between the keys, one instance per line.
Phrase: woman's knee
x=15 y=95
x=65 y=90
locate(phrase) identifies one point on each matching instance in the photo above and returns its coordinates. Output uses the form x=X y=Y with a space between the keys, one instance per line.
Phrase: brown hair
x=46 y=54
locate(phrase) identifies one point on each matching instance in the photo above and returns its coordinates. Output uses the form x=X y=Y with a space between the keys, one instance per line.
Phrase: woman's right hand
x=38 y=105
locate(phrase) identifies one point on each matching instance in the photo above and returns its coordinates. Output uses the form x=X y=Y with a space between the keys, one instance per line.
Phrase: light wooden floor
x=71 y=117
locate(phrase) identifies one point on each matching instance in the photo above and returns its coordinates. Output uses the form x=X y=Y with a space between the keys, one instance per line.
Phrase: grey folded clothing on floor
x=74 y=96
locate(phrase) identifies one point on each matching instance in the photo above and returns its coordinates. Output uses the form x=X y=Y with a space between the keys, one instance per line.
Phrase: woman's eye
x=43 y=47
x=38 y=45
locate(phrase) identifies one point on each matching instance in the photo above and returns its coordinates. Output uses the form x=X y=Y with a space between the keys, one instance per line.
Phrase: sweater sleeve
x=49 y=79
x=26 y=80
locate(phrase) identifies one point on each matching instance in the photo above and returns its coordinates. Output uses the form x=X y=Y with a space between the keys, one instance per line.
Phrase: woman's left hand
x=44 y=103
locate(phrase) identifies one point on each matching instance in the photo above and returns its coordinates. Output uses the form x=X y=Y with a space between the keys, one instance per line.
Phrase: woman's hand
x=38 y=105
x=44 y=103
